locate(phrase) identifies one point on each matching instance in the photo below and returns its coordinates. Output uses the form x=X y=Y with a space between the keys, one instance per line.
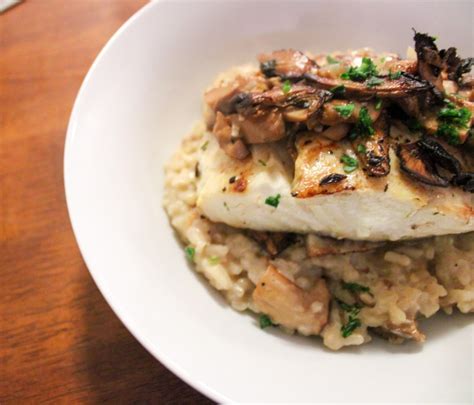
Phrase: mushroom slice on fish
x=285 y=63
x=403 y=86
x=291 y=306
x=373 y=151
x=418 y=165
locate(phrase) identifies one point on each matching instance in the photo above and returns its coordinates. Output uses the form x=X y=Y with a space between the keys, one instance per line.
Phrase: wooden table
x=59 y=340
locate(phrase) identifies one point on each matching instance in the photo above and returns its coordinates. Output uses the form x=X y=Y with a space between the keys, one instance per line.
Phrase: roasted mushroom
x=403 y=86
x=234 y=147
x=418 y=165
x=285 y=63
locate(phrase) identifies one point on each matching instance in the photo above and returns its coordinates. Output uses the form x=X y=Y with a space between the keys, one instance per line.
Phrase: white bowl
x=140 y=97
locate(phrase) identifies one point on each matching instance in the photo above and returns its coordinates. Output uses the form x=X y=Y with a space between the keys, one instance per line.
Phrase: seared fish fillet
x=262 y=193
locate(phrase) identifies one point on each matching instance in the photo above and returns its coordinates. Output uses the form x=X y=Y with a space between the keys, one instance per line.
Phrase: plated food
x=332 y=193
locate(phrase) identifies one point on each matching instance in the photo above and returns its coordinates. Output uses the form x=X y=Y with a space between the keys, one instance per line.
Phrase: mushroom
x=234 y=147
x=285 y=63
x=273 y=242
x=464 y=180
x=405 y=85
x=373 y=151
x=291 y=306
x=331 y=115
x=418 y=165
x=265 y=125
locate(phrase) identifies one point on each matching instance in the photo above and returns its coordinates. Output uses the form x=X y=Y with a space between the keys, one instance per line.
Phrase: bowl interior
x=141 y=96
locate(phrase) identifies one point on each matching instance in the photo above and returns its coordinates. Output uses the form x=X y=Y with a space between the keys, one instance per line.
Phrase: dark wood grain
x=59 y=340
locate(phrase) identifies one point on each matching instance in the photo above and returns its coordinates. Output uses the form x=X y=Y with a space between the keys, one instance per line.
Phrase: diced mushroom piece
x=218 y=97
x=331 y=112
x=405 y=65
x=415 y=163
x=222 y=130
x=262 y=127
x=291 y=306
x=317 y=246
x=285 y=63
x=373 y=151
x=403 y=86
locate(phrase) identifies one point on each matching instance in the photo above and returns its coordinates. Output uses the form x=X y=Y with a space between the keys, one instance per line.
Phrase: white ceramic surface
x=140 y=97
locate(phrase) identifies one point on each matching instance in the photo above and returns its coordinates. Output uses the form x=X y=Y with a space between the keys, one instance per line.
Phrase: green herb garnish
x=338 y=90
x=190 y=252
x=374 y=81
x=330 y=60
x=450 y=120
x=395 y=75
x=353 y=322
x=213 y=260
x=226 y=206
x=361 y=148
x=286 y=86
x=355 y=288
x=204 y=145
x=350 y=163
x=265 y=321
x=262 y=162
x=345 y=110
x=364 y=124
x=358 y=74
x=378 y=104
x=273 y=200
x=351 y=325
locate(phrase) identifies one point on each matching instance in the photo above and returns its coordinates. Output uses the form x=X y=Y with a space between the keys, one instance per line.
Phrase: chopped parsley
x=374 y=81
x=262 y=162
x=382 y=59
x=330 y=60
x=364 y=126
x=265 y=321
x=190 y=252
x=273 y=200
x=355 y=288
x=338 y=90
x=204 y=145
x=350 y=163
x=450 y=120
x=358 y=74
x=395 y=75
x=213 y=260
x=353 y=322
x=226 y=206
x=286 y=86
x=378 y=104
x=345 y=110
x=361 y=148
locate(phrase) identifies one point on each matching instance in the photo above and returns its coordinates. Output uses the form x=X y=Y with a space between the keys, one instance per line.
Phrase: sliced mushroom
x=222 y=130
x=285 y=63
x=464 y=180
x=398 y=333
x=418 y=165
x=291 y=306
x=403 y=86
x=440 y=155
x=373 y=151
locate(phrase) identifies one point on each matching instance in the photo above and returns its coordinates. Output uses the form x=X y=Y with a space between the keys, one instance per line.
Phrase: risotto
x=321 y=278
